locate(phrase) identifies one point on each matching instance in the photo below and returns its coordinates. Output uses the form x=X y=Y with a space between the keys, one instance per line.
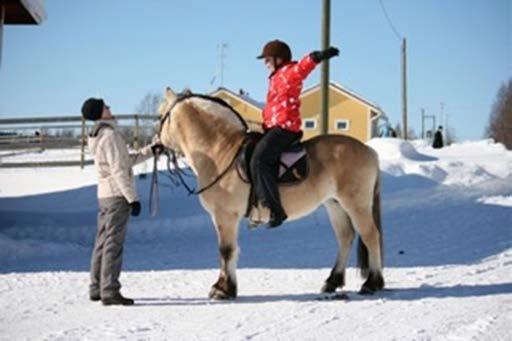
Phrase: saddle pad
x=293 y=166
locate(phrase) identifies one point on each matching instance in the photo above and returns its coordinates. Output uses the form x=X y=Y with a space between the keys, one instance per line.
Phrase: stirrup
x=257 y=218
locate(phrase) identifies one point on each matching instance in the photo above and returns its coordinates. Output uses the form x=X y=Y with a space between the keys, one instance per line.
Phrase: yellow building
x=349 y=113
x=249 y=108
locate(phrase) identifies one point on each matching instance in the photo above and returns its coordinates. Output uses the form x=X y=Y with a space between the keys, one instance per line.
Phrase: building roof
x=243 y=97
x=347 y=92
x=23 y=12
x=336 y=86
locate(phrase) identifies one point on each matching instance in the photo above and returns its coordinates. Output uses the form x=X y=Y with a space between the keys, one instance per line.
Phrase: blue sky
x=459 y=53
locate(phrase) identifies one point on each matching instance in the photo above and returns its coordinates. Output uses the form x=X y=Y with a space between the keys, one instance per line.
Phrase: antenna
x=221 y=47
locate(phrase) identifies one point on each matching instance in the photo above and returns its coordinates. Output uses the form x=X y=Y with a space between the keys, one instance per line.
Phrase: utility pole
x=423 y=118
x=324 y=78
x=422 y=123
x=222 y=46
x=404 y=89
x=442 y=120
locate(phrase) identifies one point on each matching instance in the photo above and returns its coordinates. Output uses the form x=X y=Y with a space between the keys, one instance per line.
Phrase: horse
x=343 y=176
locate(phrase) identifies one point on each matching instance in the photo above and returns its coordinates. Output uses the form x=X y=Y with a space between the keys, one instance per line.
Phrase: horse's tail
x=362 y=250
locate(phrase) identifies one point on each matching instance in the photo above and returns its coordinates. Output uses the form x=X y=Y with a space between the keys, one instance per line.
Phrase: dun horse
x=343 y=176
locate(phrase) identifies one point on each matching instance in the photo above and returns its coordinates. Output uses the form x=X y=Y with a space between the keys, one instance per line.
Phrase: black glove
x=318 y=56
x=135 y=208
x=157 y=148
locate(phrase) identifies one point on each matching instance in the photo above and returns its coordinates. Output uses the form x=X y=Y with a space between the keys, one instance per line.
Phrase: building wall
x=248 y=112
x=341 y=108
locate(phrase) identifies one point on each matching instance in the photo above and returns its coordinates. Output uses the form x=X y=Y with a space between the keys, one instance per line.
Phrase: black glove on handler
x=135 y=208
x=157 y=148
x=330 y=52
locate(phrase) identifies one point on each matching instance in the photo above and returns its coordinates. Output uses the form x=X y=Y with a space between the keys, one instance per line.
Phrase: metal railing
x=41 y=133
x=24 y=135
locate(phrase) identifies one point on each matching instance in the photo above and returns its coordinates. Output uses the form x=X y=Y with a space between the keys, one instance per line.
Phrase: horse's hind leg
x=344 y=232
x=226 y=225
x=369 y=253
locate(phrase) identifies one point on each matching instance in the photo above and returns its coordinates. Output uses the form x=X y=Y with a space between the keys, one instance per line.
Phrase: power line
x=398 y=35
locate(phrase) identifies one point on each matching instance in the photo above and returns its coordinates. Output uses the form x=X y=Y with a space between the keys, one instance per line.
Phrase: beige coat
x=113 y=162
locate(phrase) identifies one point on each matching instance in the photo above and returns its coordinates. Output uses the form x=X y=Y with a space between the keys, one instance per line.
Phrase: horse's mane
x=216 y=107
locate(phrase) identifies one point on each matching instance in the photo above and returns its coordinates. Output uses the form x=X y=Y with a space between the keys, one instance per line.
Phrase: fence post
x=82 y=152
x=136 y=134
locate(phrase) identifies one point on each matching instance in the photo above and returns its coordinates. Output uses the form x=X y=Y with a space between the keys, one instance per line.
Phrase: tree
x=500 y=120
x=148 y=106
x=411 y=134
x=449 y=136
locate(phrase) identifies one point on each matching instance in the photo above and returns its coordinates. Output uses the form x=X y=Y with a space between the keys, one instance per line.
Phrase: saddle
x=293 y=165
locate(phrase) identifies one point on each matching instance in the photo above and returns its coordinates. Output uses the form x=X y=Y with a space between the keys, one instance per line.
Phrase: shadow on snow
x=425 y=224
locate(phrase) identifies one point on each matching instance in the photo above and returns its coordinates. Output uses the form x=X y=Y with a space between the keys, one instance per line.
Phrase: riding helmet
x=276 y=48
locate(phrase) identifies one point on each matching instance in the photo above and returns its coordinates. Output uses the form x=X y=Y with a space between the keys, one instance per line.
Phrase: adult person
x=117 y=198
x=438 y=138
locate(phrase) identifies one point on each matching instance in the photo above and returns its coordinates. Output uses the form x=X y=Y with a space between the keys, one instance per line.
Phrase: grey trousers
x=107 y=255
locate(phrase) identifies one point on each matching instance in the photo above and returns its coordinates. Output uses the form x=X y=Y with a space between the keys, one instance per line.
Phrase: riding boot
x=277 y=218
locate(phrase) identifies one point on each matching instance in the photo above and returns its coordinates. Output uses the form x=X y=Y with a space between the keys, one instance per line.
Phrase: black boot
x=117 y=299
x=94 y=297
x=277 y=218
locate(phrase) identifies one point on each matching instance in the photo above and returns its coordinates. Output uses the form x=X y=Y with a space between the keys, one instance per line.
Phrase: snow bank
x=463 y=164
x=393 y=149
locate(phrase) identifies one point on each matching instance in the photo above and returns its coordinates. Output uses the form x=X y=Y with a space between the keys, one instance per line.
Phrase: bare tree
x=449 y=136
x=500 y=120
x=411 y=134
x=148 y=106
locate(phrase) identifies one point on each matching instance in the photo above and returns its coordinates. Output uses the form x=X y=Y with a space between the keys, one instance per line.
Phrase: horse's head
x=197 y=119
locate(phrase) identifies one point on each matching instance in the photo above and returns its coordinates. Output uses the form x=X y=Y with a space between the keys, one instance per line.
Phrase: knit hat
x=92 y=109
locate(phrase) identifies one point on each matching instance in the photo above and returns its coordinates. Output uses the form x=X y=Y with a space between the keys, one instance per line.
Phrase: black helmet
x=276 y=48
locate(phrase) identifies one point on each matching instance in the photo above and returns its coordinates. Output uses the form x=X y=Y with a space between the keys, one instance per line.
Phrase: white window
x=343 y=125
x=309 y=124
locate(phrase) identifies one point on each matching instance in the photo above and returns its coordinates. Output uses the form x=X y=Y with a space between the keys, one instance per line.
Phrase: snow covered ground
x=447 y=217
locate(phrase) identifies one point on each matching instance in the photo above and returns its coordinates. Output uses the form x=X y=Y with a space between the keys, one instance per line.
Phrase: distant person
x=438 y=138
x=117 y=197
x=392 y=132
x=281 y=119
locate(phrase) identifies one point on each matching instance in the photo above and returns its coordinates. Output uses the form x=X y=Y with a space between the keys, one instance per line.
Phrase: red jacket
x=285 y=86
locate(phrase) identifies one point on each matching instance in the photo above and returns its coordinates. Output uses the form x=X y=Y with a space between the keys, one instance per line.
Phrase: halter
x=172 y=159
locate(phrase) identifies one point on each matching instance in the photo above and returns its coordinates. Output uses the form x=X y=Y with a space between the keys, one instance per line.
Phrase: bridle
x=177 y=174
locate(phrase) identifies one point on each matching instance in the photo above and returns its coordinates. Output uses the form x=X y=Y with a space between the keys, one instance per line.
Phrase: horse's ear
x=170 y=95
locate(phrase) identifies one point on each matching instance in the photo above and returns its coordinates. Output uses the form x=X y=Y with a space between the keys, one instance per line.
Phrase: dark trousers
x=107 y=256
x=265 y=166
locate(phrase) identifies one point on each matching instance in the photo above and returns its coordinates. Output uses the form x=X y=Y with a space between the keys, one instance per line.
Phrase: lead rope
x=154 y=201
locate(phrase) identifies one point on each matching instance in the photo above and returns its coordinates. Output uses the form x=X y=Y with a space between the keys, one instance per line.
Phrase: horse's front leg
x=226 y=225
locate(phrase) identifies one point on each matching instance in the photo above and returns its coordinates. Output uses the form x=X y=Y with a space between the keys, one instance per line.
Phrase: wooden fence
x=40 y=133
x=20 y=135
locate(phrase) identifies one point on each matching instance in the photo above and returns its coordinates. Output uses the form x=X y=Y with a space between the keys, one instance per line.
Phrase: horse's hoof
x=217 y=294
x=365 y=290
x=328 y=288
x=335 y=281
x=373 y=283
